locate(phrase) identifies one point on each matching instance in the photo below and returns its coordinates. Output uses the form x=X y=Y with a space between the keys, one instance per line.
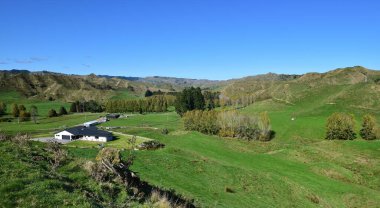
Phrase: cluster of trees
x=190 y=99
x=53 y=113
x=20 y=112
x=149 y=93
x=229 y=124
x=211 y=99
x=156 y=103
x=193 y=99
x=242 y=100
x=342 y=126
x=86 y=106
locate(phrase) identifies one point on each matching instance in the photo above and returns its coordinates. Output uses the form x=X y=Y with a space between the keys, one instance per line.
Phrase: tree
x=52 y=113
x=21 y=108
x=264 y=126
x=62 y=111
x=340 y=126
x=148 y=93
x=33 y=113
x=369 y=128
x=73 y=108
x=92 y=106
x=15 y=110
x=189 y=99
x=24 y=115
x=3 y=108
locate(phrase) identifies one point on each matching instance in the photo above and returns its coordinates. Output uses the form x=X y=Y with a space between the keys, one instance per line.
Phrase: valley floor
x=298 y=168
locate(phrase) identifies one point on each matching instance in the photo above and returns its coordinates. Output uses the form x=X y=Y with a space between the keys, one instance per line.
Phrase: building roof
x=88 y=131
x=90 y=122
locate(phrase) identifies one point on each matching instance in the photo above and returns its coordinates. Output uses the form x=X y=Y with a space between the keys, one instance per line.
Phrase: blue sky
x=212 y=39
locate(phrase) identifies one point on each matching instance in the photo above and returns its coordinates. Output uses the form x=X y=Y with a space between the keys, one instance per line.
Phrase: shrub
x=369 y=129
x=15 y=110
x=21 y=108
x=148 y=93
x=266 y=133
x=340 y=126
x=202 y=121
x=165 y=131
x=229 y=124
x=3 y=108
x=24 y=115
x=62 y=111
x=52 y=113
x=21 y=140
x=58 y=155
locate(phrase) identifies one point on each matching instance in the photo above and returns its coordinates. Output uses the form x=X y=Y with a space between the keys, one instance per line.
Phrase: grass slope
x=47 y=126
x=297 y=169
x=10 y=97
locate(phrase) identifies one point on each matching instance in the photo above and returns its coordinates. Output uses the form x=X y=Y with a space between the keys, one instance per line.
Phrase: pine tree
x=189 y=99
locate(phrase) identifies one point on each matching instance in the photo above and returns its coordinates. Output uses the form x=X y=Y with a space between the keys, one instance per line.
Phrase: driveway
x=51 y=139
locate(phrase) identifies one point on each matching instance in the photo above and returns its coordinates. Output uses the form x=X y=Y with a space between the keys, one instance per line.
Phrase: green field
x=120 y=141
x=125 y=95
x=47 y=126
x=289 y=171
x=298 y=168
x=10 y=97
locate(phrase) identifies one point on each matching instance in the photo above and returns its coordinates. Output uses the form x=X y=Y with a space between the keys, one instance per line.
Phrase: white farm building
x=90 y=133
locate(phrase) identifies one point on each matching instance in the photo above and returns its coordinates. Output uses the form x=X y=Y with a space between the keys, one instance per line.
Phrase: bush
x=15 y=110
x=58 y=155
x=369 y=129
x=24 y=115
x=229 y=124
x=266 y=133
x=340 y=126
x=3 y=108
x=52 y=113
x=62 y=111
x=165 y=131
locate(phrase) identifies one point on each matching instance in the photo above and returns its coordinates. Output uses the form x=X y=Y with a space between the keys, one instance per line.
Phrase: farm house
x=84 y=133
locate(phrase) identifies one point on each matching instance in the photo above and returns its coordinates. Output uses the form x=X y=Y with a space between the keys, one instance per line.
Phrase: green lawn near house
x=47 y=126
x=121 y=141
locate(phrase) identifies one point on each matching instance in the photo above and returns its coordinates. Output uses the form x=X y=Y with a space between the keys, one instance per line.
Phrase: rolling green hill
x=352 y=87
x=48 y=85
x=298 y=168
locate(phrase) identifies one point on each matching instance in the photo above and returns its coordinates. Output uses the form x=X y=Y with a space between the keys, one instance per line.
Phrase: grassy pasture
x=296 y=169
x=10 y=97
x=125 y=94
x=47 y=126
x=121 y=141
x=169 y=120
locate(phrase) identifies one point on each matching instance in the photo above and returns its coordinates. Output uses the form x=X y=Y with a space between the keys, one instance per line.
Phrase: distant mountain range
x=349 y=83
